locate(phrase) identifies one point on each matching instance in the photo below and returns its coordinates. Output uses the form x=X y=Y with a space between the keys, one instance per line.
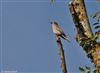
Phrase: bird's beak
x=50 y=22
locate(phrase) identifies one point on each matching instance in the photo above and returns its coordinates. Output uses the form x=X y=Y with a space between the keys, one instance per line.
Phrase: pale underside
x=57 y=29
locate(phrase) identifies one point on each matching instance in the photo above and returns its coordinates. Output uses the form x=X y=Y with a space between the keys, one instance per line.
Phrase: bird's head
x=54 y=22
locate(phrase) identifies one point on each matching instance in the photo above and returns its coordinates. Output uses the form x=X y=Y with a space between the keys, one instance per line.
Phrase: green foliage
x=95 y=15
x=87 y=69
x=97 y=36
x=82 y=69
x=96 y=25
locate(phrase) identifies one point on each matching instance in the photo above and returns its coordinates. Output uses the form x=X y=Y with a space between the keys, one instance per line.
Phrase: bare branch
x=61 y=53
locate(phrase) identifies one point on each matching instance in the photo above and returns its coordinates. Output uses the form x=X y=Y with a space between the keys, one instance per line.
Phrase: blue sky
x=28 y=43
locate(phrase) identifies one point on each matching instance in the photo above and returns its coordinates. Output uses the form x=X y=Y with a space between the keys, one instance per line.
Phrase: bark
x=61 y=53
x=84 y=33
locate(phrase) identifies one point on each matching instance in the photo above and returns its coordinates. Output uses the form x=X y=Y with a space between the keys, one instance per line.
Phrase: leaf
x=95 y=71
x=88 y=68
x=97 y=27
x=95 y=14
x=97 y=36
x=98 y=0
x=98 y=43
x=98 y=18
x=98 y=31
x=96 y=23
x=81 y=69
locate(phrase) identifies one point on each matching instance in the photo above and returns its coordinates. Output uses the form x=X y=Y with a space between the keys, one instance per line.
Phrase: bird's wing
x=60 y=30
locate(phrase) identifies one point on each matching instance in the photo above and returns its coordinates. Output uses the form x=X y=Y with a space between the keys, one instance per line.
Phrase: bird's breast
x=55 y=29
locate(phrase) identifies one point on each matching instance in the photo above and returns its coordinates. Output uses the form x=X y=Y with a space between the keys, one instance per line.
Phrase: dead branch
x=61 y=53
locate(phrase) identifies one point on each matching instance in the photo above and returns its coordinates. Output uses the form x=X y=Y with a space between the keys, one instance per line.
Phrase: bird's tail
x=68 y=40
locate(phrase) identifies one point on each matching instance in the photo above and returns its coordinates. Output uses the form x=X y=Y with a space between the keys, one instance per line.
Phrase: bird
x=58 y=31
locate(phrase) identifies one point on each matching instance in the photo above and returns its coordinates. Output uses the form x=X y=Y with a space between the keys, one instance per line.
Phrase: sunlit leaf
x=95 y=71
x=98 y=43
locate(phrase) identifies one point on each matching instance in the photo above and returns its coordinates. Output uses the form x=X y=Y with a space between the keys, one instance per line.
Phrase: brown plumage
x=58 y=31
